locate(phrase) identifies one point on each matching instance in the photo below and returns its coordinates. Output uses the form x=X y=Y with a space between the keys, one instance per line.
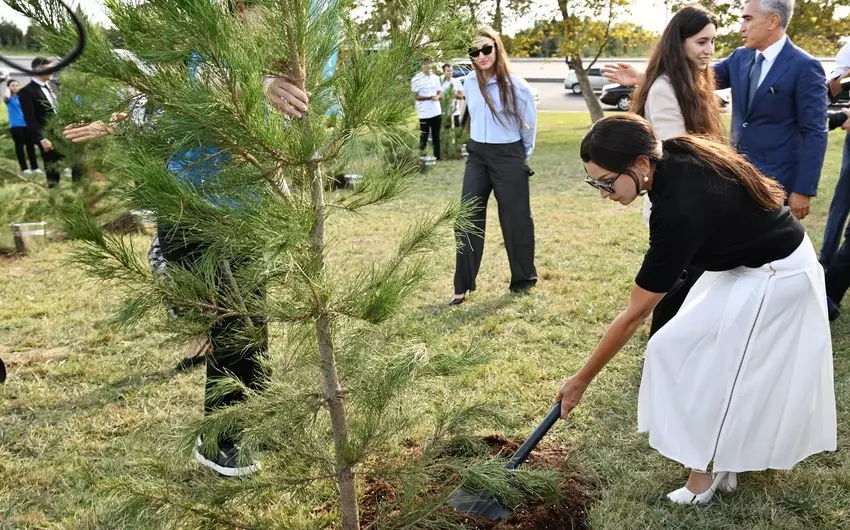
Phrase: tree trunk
x=497 y=17
x=330 y=381
x=349 y=513
x=590 y=98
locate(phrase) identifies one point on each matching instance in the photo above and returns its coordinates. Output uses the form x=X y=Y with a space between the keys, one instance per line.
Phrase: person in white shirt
x=427 y=91
x=455 y=86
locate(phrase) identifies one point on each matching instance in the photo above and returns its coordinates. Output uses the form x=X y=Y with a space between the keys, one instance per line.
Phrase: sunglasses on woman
x=606 y=186
x=486 y=50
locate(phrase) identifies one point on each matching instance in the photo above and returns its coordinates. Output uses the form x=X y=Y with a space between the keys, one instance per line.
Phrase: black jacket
x=37 y=110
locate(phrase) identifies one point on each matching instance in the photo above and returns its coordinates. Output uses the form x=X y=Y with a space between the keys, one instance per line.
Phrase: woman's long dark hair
x=501 y=68
x=616 y=142
x=694 y=87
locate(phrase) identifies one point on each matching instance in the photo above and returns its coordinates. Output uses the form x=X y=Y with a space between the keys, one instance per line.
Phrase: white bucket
x=29 y=236
x=144 y=221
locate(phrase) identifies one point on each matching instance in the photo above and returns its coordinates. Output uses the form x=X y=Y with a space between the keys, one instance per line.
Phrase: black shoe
x=187 y=363
x=832 y=310
x=228 y=462
x=196 y=354
x=457 y=301
x=2 y=372
x=523 y=287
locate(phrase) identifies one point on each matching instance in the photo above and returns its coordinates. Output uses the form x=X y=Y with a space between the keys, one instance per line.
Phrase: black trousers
x=22 y=144
x=233 y=353
x=672 y=302
x=433 y=126
x=500 y=168
x=51 y=169
x=838 y=272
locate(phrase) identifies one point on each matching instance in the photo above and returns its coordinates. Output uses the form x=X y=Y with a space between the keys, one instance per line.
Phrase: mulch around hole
x=569 y=512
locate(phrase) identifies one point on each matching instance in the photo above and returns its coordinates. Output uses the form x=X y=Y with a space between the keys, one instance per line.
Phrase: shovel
x=485 y=505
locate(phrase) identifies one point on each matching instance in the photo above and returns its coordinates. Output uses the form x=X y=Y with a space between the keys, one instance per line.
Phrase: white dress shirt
x=48 y=93
x=842 y=63
x=770 y=54
x=426 y=86
x=486 y=128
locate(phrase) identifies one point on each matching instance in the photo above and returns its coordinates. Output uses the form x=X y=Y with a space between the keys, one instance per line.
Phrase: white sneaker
x=28 y=172
x=39 y=171
x=721 y=482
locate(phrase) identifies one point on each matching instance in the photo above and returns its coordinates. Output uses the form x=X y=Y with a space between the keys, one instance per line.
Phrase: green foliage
x=814 y=26
x=202 y=75
x=11 y=36
x=545 y=39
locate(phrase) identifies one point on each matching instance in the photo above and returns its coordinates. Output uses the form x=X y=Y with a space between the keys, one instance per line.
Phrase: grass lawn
x=83 y=400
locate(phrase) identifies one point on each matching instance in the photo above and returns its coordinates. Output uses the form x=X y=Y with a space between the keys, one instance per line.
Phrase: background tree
x=11 y=36
x=580 y=33
x=337 y=406
x=814 y=26
x=545 y=39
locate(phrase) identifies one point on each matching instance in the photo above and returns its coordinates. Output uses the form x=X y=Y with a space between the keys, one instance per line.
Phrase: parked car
x=621 y=96
x=536 y=94
x=617 y=95
x=461 y=67
x=594 y=75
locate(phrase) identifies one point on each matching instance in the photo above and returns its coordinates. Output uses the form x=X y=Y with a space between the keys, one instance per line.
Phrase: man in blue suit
x=779 y=101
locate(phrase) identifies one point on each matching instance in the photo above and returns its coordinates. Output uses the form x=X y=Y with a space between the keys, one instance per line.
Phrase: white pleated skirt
x=742 y=376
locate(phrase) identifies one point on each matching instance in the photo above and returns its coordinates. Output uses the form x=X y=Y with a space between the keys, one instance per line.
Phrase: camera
x=836 y=119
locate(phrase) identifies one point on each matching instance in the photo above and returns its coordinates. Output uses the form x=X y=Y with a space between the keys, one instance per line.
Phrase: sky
x=651 y=14
x=648 y=13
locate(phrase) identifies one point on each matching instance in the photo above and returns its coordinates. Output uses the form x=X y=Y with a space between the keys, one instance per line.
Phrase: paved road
x=554 y=97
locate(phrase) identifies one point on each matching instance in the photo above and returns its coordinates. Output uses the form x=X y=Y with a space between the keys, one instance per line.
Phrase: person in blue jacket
x=18 y=128
x=233 y=355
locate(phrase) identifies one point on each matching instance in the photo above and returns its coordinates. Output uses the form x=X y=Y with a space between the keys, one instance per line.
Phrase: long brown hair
x=501 y=66
x=616 y=142
x=694 y=87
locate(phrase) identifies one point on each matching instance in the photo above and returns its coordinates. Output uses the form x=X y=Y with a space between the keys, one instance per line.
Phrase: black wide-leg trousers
x=501 y=169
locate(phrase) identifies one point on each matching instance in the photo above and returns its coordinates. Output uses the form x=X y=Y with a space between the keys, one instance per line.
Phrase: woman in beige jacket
x=677 y=97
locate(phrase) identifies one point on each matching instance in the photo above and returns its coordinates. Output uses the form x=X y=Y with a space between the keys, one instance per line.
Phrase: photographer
x=838 y=271
x=839 y=208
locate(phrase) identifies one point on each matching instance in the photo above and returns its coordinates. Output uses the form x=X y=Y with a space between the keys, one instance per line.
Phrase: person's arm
x=811 y=109
x=677 y=231
x=842 y=70
x=286 y=97
x=528 y=113
x=640 y=307
x=7 y=93
x=722 y=79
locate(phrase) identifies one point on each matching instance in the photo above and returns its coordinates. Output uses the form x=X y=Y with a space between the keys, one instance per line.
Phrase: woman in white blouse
x=502 y=120
x=677 y=97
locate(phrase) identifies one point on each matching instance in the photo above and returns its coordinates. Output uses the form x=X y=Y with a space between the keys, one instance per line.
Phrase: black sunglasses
x=486 y=50
x=607 y=186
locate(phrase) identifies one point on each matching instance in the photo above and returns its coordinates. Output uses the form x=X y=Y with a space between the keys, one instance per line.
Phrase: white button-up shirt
x=485 y=128
x=770 y=54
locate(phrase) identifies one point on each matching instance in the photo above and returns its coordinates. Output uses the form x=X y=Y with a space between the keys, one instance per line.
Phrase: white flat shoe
x=686 y=496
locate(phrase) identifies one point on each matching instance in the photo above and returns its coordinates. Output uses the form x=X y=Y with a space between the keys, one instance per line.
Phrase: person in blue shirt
x=502 y=120
x=18 y=128
x=233 y=354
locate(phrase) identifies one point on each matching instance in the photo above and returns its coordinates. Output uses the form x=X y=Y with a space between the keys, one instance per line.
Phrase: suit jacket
x=783 y=133
x=37 y=110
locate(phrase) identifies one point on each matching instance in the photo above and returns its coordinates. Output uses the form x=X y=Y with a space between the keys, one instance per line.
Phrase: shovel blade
x=478 y=504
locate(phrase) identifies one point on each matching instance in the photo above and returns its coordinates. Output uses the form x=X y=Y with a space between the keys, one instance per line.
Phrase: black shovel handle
x=525 y=449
